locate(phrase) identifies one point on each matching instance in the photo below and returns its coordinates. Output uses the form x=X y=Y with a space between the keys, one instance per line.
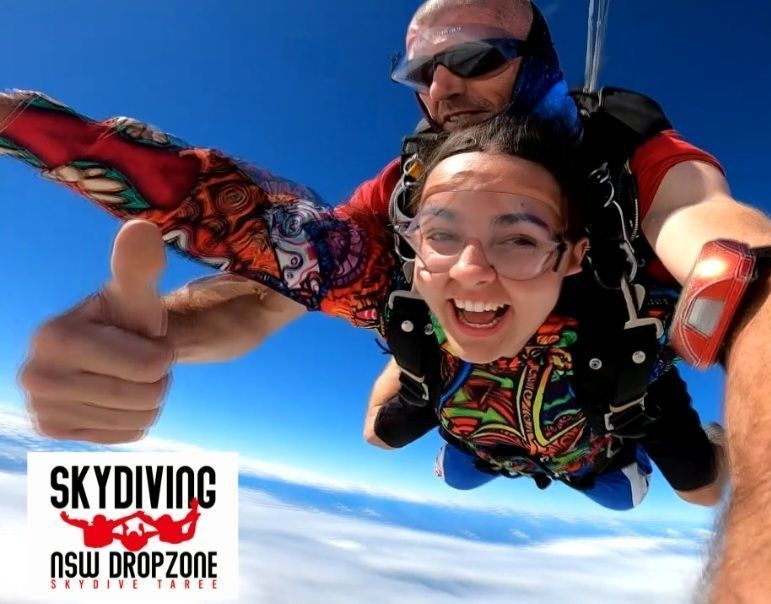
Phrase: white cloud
x=290 y=554
x=18 y=430
x=519 y=535
x=18 y=437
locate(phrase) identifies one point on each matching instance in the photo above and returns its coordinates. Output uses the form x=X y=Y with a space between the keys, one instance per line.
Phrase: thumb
x=131 y=298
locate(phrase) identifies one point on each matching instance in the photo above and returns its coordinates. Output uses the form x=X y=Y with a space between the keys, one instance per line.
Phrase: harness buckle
x=419 y=381
x=631 y=309
x=411 y=379
x=620 y=417
x=609 y=452
x=621 y=409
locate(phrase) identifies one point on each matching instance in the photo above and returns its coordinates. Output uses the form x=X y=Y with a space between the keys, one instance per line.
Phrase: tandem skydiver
x=681 y=187
x=451 y=100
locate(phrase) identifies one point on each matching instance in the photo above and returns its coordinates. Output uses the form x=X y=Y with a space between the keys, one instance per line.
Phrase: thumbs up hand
x=131 y=300
x=100 y=371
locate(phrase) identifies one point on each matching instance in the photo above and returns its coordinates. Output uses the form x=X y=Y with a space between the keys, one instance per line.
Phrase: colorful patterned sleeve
x=210 y=207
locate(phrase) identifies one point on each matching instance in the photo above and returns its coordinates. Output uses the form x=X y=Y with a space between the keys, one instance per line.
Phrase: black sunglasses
x=466 y=60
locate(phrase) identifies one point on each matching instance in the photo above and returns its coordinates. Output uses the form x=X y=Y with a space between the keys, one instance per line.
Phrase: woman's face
x=488 y=223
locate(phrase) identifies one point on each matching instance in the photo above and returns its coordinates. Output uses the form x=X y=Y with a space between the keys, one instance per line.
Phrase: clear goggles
x=521 y=237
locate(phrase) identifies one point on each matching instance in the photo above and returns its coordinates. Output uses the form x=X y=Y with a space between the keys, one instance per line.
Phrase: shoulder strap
x=410 y=336
x=629 y=117
x=614 y=356
x=408 y=328
x=617 y=350
x=410 y=169
x=616 y=122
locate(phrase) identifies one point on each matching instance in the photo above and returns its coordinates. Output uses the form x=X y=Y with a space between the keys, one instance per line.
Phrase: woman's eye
x=442 y=236
x=519 y=241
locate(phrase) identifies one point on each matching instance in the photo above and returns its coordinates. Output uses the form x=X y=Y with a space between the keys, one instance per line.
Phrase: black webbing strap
x=614 y=359
x=616 y=122
x=410 y=336
x=626 y=118
x=763 y=255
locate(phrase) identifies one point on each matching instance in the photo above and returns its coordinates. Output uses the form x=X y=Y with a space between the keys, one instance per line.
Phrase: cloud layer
x=303 y=538
x=294 y=554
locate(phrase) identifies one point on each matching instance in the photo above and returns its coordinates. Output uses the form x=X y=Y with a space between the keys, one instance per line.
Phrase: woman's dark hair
x=528 y=139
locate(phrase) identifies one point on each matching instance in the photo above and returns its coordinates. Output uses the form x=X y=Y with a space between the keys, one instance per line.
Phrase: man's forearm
x=744 y=556
x=223 y=317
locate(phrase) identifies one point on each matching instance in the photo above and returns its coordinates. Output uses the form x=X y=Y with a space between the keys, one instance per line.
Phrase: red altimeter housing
x=710 y=299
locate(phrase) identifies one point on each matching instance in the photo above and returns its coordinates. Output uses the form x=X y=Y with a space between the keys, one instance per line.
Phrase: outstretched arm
x=238 y=218
x=223 y=317
x=693 y=206
x=744 y=547
x=243 y=220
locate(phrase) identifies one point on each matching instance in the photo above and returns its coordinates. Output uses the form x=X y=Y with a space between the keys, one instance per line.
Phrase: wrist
x=755 y=306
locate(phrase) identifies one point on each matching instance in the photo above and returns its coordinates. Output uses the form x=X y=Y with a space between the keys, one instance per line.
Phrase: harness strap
x=410 y=336
x=617 y=350
x=614 y=359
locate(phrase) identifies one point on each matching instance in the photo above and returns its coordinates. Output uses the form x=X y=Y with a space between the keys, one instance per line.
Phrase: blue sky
x=302 y=88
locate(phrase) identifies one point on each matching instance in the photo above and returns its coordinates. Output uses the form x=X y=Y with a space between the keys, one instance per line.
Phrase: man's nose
x=472 y=268
x=445 y=84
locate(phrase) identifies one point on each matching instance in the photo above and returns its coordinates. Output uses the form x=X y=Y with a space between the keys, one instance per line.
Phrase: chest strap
x=614 y=357
x=411 y=339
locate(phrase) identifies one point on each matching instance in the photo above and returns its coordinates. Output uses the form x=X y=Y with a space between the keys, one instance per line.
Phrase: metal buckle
x=609 y=452
x=420 y=381
x=631 y=309
x=614 y=410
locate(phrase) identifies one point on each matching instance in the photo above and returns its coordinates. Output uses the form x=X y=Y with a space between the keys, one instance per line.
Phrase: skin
x=472 y=278
x=100 y=371
x=454 y=102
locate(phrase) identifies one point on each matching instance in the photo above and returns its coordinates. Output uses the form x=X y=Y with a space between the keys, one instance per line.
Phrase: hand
x=64 y=515
x=100 y=371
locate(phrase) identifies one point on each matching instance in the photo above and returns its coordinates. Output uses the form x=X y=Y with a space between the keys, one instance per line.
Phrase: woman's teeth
x=480 y=315
x=476 y=306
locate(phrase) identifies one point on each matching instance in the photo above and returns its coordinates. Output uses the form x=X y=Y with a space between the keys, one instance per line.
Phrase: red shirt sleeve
x=650 y=163
x=655 y=157
x=373 y=196
x=235 y=217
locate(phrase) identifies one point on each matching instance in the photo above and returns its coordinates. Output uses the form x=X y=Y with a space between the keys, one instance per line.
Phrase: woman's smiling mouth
x=479 y=318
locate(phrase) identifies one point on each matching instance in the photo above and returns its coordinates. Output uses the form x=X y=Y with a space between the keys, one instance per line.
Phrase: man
x=210 y=321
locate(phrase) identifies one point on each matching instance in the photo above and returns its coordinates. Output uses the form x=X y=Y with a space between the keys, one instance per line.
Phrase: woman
x=496 y=230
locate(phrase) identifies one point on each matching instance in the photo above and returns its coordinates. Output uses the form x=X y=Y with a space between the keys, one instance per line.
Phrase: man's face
x=454 y=102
